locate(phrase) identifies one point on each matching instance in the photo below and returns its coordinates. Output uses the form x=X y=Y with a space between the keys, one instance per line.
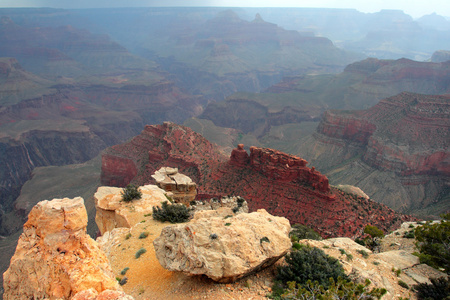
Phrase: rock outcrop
x=275 y=181
x=361 y=263
x=404 y=138
x=112 y=212
x=181 y=187
x=222 y=246
x=55 y=258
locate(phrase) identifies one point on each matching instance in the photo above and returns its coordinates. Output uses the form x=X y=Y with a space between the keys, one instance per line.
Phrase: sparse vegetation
x=363 y=253
x=227 y=224
x=143 y=235
x=140 y=252
x=174 y=213
x=213 y=236
x=433 y=241
x=130 y=193
x=124 y=271
x=299 y=232
x=438 y=289
x=403 y=284
x=128 y=236
x=375 y=234
x=340 y=289
x=307 y=263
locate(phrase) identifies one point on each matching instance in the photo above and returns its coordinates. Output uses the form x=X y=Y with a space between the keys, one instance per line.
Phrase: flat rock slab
x=399 y=259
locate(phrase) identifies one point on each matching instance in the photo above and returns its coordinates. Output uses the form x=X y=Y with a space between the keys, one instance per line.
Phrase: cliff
x=405 y=136
x=266 y=178
x=302 y=98
x=56 y=259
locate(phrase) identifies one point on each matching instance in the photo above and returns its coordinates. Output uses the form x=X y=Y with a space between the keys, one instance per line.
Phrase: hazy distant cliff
x=396 y=151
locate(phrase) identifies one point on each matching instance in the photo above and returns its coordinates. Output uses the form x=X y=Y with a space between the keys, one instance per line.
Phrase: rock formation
x=112 y=212
x=221 y=247
x=404 y=138
x=275 y=181
x=181 y=188
x=360 y=263
x=56 y=259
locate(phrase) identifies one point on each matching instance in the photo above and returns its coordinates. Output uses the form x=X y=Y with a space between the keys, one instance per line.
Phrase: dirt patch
x=148 y=280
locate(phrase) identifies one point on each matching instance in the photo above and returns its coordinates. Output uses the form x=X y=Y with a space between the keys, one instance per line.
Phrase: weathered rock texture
x=55 y=258
x=224 y=248
x=378 y=267
x=396 y=151
x=275 y=181
x=112 y=212
x=182 y=188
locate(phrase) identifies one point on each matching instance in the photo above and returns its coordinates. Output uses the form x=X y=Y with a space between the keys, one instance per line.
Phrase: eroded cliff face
x=55 y=258
x=278 y=182
x=405 y=137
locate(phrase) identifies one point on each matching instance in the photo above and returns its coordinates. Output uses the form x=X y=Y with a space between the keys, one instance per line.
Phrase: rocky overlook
x=266 y=178
x=56 y=259
x=405 y=136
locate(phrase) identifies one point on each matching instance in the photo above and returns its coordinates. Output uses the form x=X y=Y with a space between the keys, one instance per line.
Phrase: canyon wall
x=404 y=138
x=266 y=178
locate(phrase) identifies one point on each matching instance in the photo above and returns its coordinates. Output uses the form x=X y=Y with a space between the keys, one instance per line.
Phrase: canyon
x=278 y=182
x=396 y=151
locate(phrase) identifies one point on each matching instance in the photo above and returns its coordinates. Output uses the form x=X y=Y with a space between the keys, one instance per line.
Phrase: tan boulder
x=112 y=212
x=55 y=258
x=223 y=246
x=182 y=188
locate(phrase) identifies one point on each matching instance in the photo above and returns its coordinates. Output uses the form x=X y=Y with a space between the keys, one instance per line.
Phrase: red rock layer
x=407 y=134
x=269 y=179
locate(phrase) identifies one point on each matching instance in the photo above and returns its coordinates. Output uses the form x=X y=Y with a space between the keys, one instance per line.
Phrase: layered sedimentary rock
x=404 y=138
x=55 y=258
x=181 y=187
x=222 y=246
x=275 y=181
x=112 y=212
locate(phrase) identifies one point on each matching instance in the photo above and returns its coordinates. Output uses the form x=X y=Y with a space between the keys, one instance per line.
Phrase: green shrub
x=309 y=263
x=143 y=235
x=363 y=253
x=131 y=192
x=128 y=236
x=297 y=246
x=227 y=224
x=375 y=233
x=340 y=289
x=403 y=284
x=174 y=213
x=433 y=240
x=409 y=234
x=124 y=271
x=303 y=232
x=140 y=252
x=439 y=289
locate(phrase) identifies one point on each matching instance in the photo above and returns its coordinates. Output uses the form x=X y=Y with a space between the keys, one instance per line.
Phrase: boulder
x=55 y=258
x=182 y=187
x=223 y=246
x=112 y=212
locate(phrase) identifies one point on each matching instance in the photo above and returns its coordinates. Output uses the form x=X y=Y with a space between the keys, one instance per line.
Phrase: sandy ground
x=148 y=280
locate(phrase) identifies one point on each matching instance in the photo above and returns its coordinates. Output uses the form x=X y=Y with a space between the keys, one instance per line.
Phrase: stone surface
x=92 y=294
x=378 y=267
x=112 y=212
x=55 y=258
x=352 y=190
x=182 y=188
x=273 y=180
x=223 y=248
